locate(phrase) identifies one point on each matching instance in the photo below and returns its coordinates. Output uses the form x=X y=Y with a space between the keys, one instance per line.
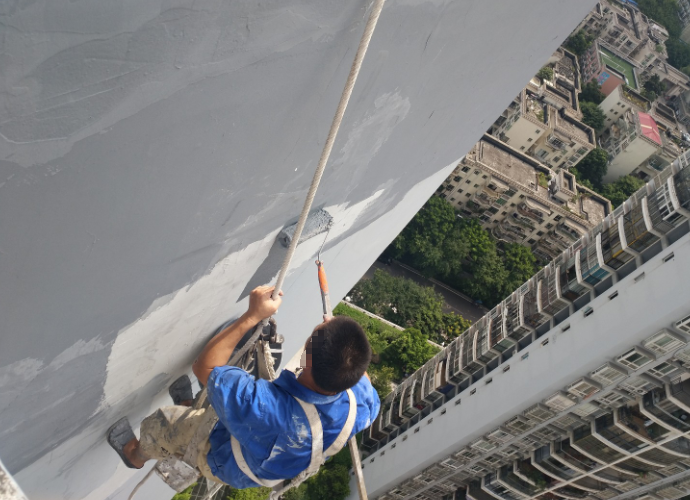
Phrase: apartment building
x=553 y=136
x=576 y=386
x=630 y=48
x=521 y=200
x=635 y=144
x=684 y=16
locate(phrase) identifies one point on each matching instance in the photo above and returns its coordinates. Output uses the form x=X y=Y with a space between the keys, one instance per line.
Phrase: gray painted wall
x=151 y=150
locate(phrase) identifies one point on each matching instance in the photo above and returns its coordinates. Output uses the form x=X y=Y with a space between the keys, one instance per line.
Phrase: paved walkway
x=454 y=301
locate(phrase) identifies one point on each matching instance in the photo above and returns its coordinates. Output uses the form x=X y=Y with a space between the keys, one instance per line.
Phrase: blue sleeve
x=368 y=404
x=237 y=398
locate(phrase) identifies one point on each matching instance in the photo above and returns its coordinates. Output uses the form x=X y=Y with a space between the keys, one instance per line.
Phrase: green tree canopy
x=678 y=54
x=654 y=84
x=454 y=325
x=546 y=73
x=248 y=494
x=622 y=189
x=520 y=263
x=578 y=43
x=430 y=242
x=665 y=12
x=411 y=349
x=593 y=167
x=591 y=92
x=592 y=115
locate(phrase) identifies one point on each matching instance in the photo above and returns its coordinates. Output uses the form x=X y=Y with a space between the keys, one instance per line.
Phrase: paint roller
x=317 y=222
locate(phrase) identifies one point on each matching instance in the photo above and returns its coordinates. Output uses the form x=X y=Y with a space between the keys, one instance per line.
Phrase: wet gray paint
x=142 y=142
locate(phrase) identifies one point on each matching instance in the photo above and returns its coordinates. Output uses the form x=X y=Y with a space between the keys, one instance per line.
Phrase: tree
x=430 y=242
x=593 y=167
x=678 y=53
x=381 y=379
x=248 y=494
x=578 y=43
x=665 y=12
x=592 y=115
x=411 y=349
x=454 y=325
x=654 y=84
x=622 y=189
x=546 y=73
x=520 y=263
x=401 y=301
x=582 y=181
x=591 y=92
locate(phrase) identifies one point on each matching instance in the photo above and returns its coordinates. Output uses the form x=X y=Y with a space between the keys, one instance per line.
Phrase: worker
x=262 y=434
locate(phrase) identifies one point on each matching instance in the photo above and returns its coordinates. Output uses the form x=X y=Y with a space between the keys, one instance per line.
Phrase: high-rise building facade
x=577 y=385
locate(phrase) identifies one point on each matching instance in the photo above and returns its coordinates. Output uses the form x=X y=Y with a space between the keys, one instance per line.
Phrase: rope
x=141 y=483
x=332 y=134
x=321 y=167
x=311 y=194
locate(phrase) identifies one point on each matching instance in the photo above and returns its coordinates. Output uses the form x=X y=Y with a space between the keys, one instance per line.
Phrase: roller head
x=317 y=223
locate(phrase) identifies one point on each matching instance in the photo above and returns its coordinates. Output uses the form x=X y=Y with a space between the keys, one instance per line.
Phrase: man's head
x=338 y=354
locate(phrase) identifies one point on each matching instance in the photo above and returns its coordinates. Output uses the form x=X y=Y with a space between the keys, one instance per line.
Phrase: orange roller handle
x=323 y=285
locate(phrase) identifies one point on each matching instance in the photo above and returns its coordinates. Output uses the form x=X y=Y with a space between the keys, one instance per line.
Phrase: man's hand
x=261 y=304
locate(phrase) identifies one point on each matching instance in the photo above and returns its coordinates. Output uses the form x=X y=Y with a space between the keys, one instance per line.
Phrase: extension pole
x=354 y=450
x=325 y=155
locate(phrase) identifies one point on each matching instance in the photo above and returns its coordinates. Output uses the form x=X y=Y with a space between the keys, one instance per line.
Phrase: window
x=634 y=359
x=540 y=233
x=452 y=199
x=608 y=374
x=557 y=218
x=476 y=185
x=512 y=205
x=531 y=241
x=457 y=178
x=467 y=195
x=483 y=176
x=529 y=139
x=549 y=226
x=476 y=172
x=465 y=169
x=493 y=210
x=504 y=213
x=443 y=195
x=538 y=131
x=522 y=148
x=468 y=181
x=584 y=388
x=460 y=191
x=449 y=187
x=557 y=159
x=663 y=342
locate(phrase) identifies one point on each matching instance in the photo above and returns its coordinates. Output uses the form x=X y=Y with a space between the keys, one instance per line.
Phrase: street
x=454 y=301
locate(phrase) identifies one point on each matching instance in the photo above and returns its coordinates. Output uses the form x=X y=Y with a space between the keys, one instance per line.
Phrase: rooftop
x=649 y=128
x=575 y=128
x=524 y=171
x=619 y=65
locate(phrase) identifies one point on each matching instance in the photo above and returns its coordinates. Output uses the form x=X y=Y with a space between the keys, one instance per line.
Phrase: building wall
x=627 y=160
x=150 y=152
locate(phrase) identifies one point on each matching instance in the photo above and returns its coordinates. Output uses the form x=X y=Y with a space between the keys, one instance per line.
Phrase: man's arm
x=219 y=349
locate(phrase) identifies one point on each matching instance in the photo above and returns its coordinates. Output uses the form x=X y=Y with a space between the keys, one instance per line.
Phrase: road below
x=454 y=301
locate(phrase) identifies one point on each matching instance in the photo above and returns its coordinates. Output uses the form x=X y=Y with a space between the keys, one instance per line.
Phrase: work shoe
x=181 y=390
x=118 y=436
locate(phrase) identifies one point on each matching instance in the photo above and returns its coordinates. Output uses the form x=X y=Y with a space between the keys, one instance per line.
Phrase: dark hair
x=340 y=354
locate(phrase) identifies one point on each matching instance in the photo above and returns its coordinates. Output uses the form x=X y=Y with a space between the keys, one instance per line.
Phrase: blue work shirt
x=271 y=426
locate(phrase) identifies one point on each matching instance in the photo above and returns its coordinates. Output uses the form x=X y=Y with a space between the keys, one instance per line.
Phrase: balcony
x=530 y=211
x=570 y=232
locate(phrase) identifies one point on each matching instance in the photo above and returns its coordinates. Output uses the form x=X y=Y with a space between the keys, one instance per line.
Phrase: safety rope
x=311 y=194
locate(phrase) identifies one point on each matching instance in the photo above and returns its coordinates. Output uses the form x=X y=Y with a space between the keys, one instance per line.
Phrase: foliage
x=580 y=180
x=678 y=54
x=578 y=43
x=248 y=494
x=593 y=167
x=520 y=263
x=543 y=180
x=591 y=92
x=430 y=242
x=400 y=301
x=454 y=325
x=665 y=12
x=186 y=494
x=332 y=482
x=654 y=84
x=411 y=349
x=380 y=335
x=622 y=189
x=592 y=115
x=381 y=378
x=546 y=73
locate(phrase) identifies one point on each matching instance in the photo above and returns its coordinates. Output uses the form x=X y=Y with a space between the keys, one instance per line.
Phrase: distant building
x=630 y=48
x=522 y=201
x=682 y=104
x=634 y=141
x=577 y=386
x=538 y=129
x=684 y=16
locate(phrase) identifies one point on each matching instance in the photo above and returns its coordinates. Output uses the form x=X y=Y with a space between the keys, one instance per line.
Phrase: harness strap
x=344 y=435
x=318 y=456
